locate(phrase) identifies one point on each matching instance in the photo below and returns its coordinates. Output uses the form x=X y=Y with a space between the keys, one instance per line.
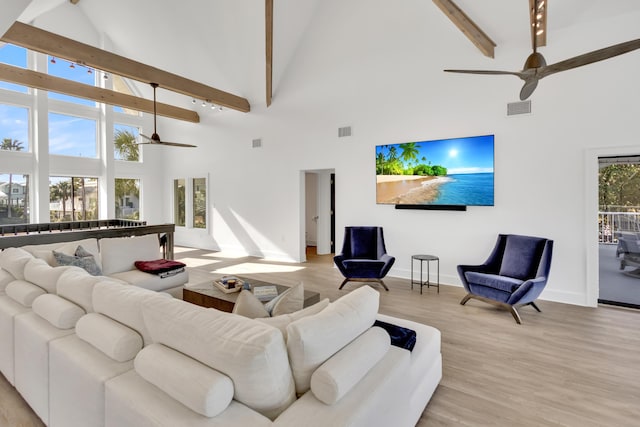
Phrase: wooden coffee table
x=209 y=296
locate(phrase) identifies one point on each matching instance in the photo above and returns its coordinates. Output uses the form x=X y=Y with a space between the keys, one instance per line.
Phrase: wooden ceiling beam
x=467 y=26
x=268 y=4
x=43 y=81
x=43 y=41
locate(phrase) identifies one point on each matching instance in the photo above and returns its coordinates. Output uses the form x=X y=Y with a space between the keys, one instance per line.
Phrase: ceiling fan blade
x=175 y=144
x=147 y=138
x=589 y=58
x=488 y=72
x=528 y=88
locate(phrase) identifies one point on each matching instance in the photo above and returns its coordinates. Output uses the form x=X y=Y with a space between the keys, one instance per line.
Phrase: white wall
x=377 y=66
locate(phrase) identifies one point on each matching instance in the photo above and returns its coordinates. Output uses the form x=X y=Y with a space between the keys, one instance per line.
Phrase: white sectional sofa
x=115 y=256
x=93 y=351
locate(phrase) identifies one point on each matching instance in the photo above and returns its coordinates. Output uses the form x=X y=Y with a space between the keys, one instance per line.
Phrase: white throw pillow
x=197 y=386
x=58 y=311
x=38 y=272
x=288 y=302
x=23 y=293
x=337 y=376
x=314 y=339
x=110 y=337
x=248 y=305
x=281 y=322
x=13 y=260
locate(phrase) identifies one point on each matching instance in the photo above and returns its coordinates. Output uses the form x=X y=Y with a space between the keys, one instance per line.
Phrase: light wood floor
x=566 y=366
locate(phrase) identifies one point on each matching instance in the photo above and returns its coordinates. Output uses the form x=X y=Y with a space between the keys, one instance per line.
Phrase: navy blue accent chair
x=364 y=257
x=514 y=275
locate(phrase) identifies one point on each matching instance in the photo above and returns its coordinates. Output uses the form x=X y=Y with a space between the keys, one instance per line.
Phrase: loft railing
x=67 y=226
x=612 y=225
x=16 y=235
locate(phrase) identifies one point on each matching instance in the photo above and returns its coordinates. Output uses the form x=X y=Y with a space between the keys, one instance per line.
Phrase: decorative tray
x=229 y=284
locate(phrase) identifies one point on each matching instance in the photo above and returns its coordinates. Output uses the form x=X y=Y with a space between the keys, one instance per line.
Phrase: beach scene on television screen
x=456 y=171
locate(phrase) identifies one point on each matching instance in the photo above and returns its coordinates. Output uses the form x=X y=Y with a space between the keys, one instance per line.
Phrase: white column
x=324 y=213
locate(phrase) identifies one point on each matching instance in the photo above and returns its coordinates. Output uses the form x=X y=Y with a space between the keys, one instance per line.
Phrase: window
x=123 y=85
x=127 y=198
x=14 y=198
x=179 y=193
x=14 y=128
x=199 y=203
x=68 y=70
x=72 y=136
x=73 y=198
x=125 y=141
x=16 y=56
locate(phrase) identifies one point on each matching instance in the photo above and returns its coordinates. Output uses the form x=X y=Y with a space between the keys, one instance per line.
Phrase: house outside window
x=73 y=198
x=127 y=198
x=14 y=198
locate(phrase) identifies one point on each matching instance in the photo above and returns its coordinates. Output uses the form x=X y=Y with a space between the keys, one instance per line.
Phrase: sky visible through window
x=16 y=56
x=72 y=136
x=14 y=124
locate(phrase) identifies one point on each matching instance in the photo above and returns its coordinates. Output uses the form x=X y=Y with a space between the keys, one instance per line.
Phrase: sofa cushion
x=314 y=339
x=197 y=386
x=45 y=251
x=13 y=260
x=58 y=311
x=86 y=262
x=337 y=376
x=150 y=281
x=76 y=285
x=5 y=279
x=252 y=354
x=501 y=283
x=120 y=253
x=112 y=338
x=38 y=272
x=282 y=321
x=23 y=292
x=123 y=304
x=521 y=255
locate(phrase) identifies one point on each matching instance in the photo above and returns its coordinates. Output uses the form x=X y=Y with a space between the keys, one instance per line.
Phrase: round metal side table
x=427 y=283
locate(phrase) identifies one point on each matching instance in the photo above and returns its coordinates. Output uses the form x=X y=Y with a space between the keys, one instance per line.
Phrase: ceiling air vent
x=256 y=143
x=345 y=131
x=515 y=108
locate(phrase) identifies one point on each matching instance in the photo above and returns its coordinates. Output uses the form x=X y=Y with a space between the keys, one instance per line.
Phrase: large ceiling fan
x=155 y=138
x=536 y=68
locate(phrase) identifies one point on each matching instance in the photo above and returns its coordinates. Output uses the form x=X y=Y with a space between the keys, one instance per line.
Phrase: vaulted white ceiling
x=221 y=43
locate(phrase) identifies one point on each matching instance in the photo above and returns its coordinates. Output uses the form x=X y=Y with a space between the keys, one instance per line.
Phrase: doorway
x=619 y=230
x=318 y=213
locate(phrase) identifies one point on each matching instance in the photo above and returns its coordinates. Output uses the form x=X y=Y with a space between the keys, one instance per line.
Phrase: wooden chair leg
x=465 y=299
x=384 y=286
x=515 y=315
x=343 y=283
x=533 y=304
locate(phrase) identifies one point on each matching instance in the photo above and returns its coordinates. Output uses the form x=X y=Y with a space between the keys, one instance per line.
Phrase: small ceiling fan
x=155 y=138
x=536 y=68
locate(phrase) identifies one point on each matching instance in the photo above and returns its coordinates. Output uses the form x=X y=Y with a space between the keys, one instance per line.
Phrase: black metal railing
x=59 y=232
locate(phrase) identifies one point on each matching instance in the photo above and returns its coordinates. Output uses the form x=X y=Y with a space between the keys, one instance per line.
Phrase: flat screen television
x=427 y=174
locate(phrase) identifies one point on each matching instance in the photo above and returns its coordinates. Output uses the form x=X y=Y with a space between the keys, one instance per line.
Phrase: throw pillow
x=248 y=305
x=82 y=259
